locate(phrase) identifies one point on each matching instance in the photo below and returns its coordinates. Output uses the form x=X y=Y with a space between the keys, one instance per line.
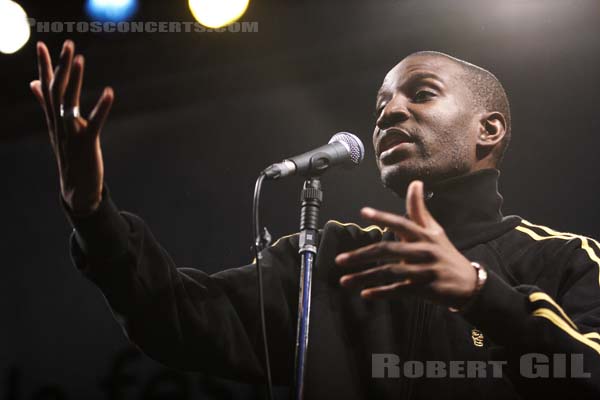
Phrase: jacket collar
x=469 y=208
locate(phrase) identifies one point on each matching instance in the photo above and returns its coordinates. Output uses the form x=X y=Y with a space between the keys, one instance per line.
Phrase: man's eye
x=379 y=110
x=423 y=95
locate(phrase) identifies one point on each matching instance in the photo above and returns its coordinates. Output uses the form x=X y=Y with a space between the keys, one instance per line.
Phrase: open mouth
x=391 y=140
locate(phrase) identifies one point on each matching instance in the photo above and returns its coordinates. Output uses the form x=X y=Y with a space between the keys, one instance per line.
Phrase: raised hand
x=423 y=262
x=75 y=140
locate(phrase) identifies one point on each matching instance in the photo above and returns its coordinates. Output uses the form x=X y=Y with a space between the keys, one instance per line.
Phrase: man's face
x=426 y=124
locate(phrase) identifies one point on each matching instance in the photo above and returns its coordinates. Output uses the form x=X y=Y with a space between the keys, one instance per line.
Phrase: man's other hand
x=75 y=140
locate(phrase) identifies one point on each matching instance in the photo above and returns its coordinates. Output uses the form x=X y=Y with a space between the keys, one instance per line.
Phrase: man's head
x=438 y=117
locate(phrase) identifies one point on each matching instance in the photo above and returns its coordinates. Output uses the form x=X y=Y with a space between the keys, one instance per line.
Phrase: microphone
x=343 y=149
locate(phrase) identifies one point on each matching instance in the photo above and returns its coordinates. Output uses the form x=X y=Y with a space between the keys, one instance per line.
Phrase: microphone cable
x=261 y=241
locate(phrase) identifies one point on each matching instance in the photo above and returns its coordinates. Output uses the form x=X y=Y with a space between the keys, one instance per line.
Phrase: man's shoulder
x=534 y=232
x=529 y=236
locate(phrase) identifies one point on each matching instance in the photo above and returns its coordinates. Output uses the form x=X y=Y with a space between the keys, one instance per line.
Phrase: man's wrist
x=102 y=233
x=83 y=210
x=481 y=278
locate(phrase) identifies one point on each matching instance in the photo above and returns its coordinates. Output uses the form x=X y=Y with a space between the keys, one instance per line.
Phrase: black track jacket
x=541 y=299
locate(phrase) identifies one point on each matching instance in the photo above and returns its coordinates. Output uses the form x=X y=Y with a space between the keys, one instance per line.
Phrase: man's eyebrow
x=414 y=77
x=417 y=76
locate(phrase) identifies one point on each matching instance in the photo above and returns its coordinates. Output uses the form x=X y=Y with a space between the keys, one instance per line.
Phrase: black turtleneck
x=468 y=207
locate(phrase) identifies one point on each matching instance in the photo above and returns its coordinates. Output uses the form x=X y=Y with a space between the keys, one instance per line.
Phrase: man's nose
x=394 y=112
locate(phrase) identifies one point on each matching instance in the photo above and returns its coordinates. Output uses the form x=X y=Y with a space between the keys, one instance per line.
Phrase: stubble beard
x=424 y=167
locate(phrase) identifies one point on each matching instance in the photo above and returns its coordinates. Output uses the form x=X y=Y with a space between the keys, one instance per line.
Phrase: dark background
x=198 y=115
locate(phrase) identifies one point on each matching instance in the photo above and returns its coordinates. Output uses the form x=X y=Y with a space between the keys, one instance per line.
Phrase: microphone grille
x=352 y=143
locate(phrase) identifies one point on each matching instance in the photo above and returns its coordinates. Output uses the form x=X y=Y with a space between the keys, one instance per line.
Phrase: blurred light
x=217 y=13
x=111 y=10
x=14 y=27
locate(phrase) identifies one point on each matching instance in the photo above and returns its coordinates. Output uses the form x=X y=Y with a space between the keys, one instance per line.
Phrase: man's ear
x=492 y=129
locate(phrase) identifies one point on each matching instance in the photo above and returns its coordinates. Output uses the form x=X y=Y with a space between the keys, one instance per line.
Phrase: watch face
x=481 y=278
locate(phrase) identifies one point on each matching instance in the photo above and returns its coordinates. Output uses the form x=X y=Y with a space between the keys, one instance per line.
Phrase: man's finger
x=415 y=205
x=72 y=93
x=397 y=223
x=61 y=76
x=45 y=77
x=36 y=88
x=44 y=65
x=381 y=251
x=73 y=90
x=391 y=291
x=100 y=112
x=378 y=276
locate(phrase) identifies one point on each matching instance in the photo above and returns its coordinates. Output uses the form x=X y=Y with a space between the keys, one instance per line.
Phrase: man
x=451 y=301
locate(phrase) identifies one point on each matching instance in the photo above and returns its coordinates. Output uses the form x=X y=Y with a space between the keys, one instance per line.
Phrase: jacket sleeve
x=558 y=327
x=183 y=317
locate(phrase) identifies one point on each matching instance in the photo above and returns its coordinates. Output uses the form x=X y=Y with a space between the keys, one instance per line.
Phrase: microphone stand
x=311 y=199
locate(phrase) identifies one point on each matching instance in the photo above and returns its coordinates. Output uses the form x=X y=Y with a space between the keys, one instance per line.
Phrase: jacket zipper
x=417 y=333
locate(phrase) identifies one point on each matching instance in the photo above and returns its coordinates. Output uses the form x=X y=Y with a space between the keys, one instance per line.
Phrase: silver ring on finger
x=69 y=113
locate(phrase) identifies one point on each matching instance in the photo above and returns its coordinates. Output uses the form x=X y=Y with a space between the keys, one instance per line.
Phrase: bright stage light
x=14 y=27
x=111 y=10
x=217 y=13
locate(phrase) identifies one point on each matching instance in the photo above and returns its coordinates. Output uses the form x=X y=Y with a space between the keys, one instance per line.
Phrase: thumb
x=100 y=112
x=36 y=88
x=415 y=205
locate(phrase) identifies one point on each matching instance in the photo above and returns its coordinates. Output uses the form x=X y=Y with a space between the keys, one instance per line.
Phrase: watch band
x=481 y=278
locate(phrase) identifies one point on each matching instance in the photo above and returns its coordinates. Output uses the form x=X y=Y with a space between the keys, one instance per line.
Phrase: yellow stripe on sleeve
x=559 y=322
x=367 y=229
x=538 y=237
x=537 y=296
x=592 y=335
x=565 y=235
x=275 y=244
x=585 y=241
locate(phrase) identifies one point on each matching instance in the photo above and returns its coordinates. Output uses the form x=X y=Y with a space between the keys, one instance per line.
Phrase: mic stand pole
x=311 y=199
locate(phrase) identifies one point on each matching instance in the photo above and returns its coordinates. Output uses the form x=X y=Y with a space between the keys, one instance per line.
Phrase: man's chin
x=397 y=178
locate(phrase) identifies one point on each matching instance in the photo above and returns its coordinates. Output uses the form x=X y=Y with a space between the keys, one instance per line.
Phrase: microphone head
x=352 y=143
